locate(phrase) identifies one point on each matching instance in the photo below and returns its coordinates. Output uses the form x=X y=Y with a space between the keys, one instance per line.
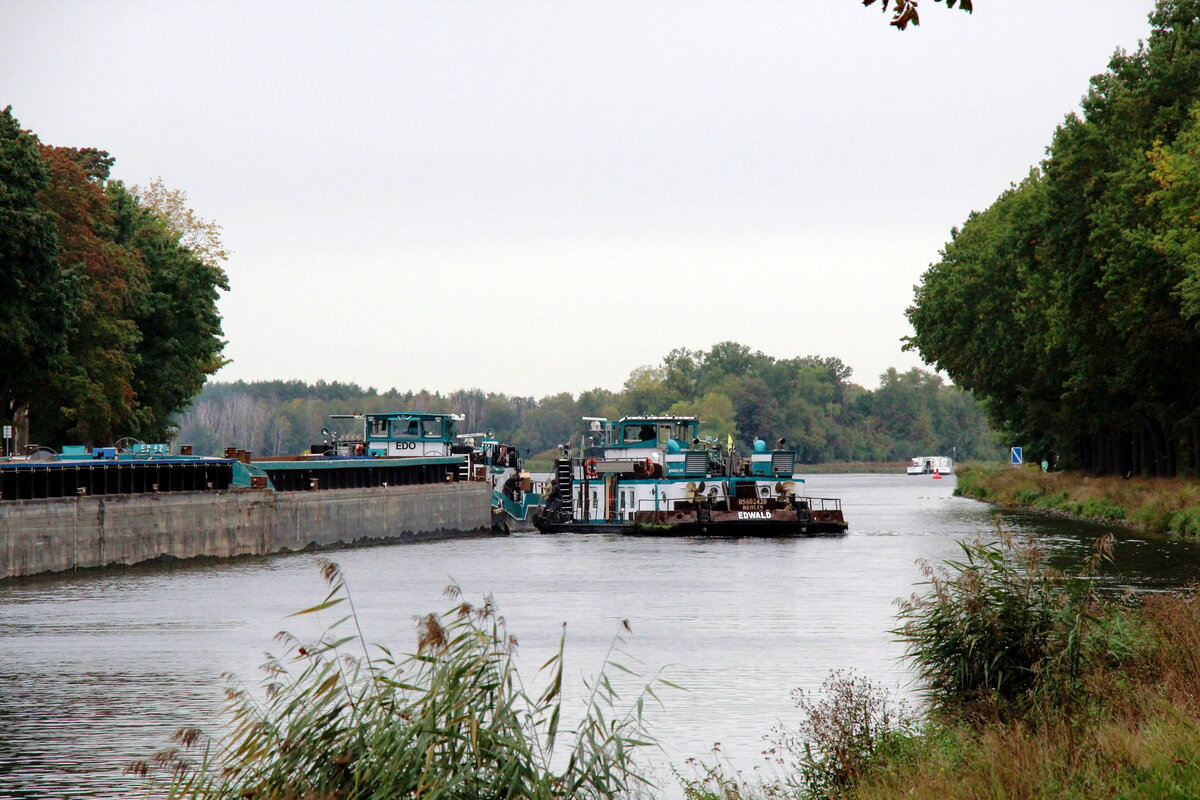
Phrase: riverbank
x=1168 y=506
x=1033 y=686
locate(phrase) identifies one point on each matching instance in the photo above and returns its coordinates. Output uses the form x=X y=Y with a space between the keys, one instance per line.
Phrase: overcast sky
x=534 y=197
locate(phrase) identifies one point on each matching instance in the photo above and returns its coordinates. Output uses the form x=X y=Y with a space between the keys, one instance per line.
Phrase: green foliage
x=1000 y=632
x=809 y=401
x=33 y=293
x=177 y=320
x=454 y=720
x=89 y=395
x=1158 y=505
x=1185 y=522
x=1098 y=508
x=1109 y=707
x=1130 y=731
x=114 y=325
x=1029 y=496
x=1069 y=304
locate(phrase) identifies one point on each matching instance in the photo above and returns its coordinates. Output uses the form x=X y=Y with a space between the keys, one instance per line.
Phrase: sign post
x=8 y=435
x=1016 y=457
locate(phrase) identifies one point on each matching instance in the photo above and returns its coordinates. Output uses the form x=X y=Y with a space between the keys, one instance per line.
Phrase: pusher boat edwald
x=655 y=476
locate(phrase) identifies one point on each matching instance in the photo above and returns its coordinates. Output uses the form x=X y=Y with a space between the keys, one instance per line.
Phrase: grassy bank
x=1156 y=505
x=1038 y=689
x=1035 y=688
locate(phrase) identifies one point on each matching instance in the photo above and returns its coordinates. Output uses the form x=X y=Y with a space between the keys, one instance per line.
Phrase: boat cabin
x=393 y=434
x=653 y=446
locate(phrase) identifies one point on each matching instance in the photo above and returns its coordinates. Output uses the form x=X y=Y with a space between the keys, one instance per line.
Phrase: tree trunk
x=1104 y=453
x=1196 y=450
x=20 y=429
x=1124 y=453
x=1162 y=462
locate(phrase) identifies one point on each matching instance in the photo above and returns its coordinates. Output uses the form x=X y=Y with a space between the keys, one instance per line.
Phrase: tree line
x=108 y=295
x=1071 y=305
x=809 y=401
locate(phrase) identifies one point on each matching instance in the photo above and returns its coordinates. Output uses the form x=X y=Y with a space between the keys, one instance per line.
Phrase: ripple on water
x=99 y=670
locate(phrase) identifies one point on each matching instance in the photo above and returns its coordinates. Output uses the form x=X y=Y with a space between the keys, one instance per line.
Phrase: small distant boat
x=931 y=465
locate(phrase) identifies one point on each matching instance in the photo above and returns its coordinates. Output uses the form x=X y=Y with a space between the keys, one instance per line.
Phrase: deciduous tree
x=34 y=300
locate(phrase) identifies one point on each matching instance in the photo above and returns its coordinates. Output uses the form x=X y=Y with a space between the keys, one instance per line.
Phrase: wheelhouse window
x=431 y=428
x=406 y=428
x=379 y=427
x=636 y=434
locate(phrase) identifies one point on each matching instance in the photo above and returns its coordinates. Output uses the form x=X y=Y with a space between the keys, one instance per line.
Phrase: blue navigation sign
x=1016 y=457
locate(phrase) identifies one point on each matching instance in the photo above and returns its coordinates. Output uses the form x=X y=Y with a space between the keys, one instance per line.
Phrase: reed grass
x=1001 y=631
x=453 y=721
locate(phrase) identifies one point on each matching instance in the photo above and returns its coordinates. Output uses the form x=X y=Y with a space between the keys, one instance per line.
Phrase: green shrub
x=999 y=631
x=452 y=722
x=972 y=482
x=1098 y=508
x=1153 y=516
x=1055 y=500
x=846 y=729
x=1185 y=522
x=1028 y=496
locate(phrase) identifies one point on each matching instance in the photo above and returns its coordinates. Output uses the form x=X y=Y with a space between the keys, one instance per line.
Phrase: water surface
x=98 y=669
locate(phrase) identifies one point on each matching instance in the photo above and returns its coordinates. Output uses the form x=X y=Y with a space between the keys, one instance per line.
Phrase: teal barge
x=84 y=472
x=345 y=472
x=401 y=448
x=654 y=476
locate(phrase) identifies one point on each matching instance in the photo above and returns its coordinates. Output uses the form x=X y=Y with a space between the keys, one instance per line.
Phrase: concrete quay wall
x=55 y=535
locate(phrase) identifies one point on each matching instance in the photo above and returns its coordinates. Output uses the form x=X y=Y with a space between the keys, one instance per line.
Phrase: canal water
x=99 y=669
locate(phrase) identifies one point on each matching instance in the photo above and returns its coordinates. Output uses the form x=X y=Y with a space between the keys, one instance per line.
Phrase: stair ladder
x=563 y=472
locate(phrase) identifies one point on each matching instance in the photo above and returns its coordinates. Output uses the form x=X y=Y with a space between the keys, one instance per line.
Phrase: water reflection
x=99 y=669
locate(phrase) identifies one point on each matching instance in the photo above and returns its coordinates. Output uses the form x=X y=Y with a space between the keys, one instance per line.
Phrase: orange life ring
x=589 y=468
x=648 y=465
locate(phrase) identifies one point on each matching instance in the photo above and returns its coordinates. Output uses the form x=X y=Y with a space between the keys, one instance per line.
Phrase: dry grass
x=1139 y=735
x=1128 y=725
x=1156 y=505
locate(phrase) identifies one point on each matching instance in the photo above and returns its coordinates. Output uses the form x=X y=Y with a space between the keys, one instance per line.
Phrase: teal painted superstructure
x=655 y=473
x=418 y=436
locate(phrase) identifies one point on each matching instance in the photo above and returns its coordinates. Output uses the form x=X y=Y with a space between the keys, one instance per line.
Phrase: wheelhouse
x=395 y=434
